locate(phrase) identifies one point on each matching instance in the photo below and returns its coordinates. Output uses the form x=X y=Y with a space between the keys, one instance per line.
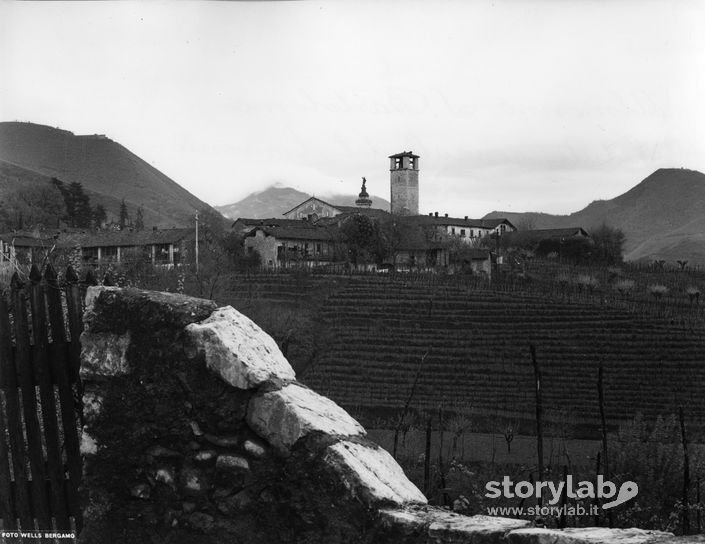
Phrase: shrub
x=694 y=294
x=624 y=286
x=563 y=279
x=657 y=290
x=587 y=281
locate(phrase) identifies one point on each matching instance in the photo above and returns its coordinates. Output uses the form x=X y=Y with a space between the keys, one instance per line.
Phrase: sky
x=514 y=105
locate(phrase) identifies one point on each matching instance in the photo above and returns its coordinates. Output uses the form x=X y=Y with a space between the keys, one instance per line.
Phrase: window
x=411 y=162
x=397 y=163
x=452 y=230
x=108 y=253
x=90 y=254
x=462 y=233
x=472 y=233
x=161 y=253
x=318 y=248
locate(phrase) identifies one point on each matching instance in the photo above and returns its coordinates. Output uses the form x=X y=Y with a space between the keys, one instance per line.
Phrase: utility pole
x=196 y=242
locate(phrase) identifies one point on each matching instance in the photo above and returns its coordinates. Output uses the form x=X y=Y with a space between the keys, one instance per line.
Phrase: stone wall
x=197 y=431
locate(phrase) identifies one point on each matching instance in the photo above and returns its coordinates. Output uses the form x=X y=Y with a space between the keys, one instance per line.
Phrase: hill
x=108 y=171
x=274 y=201
x=663 y=217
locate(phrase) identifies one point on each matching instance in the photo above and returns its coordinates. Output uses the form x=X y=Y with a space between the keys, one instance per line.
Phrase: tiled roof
x=24 y=240
x=309 y=199
x=459 y=221
x=88 y=238
x=310 y=232
x=268 y=222
x=126 y=238
x=376 y=212
x=545 y=234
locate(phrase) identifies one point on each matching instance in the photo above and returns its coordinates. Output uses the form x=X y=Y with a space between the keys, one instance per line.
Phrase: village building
x=314 y=209
x=466 y=229
x=282 y=246
x=24 y=248
x=166 y=247
x=536 y=236
x=310 y=231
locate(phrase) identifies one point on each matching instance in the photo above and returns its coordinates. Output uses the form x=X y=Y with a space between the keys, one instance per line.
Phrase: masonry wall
x=196 y=431
x=405 y=192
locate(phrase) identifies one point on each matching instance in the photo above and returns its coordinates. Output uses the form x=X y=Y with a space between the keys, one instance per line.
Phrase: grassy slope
x=103 y=167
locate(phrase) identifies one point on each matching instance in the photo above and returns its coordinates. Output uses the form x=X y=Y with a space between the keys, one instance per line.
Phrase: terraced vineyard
x=472 y=347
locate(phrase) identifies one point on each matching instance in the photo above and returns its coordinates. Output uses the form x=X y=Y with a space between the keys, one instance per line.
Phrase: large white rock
x=584 y=535
x=239 y=351
x=104 y=354
x=442 y=526
x=371 y=474
x=282 y=417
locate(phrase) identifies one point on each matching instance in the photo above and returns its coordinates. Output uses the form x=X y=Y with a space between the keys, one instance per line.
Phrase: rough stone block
x=371 y=474
x=437 y=525
x=238 y=350
x=232 y=463
x=113 y=309
x=282 y=417
x=584 y=535
x=104 y=354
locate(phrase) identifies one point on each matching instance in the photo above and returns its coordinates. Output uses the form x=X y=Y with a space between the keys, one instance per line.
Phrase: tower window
x=397 y=163
x=411 y=162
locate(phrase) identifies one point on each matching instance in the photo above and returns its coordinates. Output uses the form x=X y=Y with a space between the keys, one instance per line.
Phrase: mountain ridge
x=662 y=217
x=107 y=170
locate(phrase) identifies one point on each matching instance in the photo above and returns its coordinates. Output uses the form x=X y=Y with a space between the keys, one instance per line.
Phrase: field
x=365 y=340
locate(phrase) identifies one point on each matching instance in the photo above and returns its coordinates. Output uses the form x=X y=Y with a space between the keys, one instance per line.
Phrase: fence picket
x=8 y=376
x=40 y=360
x=23 y=358
x=6 y=367
x=60 y=374
x=74 y=302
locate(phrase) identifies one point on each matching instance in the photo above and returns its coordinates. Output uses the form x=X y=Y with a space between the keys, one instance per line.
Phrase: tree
x=32 y=206
x=367 y=240
x=100 y=216
x=77 y=202
x=82 y=213
x=139 y=219
x=124 y=217
x=219 y=251
x=608 y=245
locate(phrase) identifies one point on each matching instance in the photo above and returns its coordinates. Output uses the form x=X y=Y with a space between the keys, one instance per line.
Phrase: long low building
x=167 y=247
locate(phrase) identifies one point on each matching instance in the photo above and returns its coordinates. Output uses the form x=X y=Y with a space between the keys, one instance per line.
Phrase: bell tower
x=404 y=182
